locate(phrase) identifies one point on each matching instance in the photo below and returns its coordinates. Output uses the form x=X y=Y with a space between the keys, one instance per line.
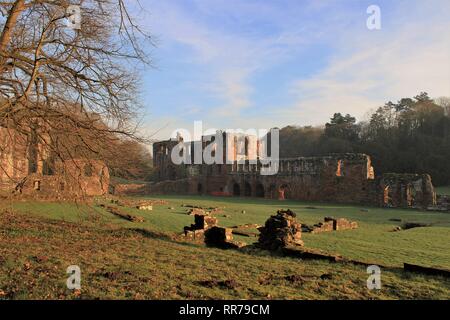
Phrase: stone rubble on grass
x=144 y=206
x=280 y=230
x=197 y=230
x=196 y=211
x=331 y=224
x=205 y=229
x=222 y=238
x=193 y=210
x=442 y=204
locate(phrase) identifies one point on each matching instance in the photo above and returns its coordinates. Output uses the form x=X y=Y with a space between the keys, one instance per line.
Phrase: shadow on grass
x=172 y=238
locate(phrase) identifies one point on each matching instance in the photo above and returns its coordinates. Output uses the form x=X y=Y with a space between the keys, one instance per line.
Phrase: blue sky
x=259 y=64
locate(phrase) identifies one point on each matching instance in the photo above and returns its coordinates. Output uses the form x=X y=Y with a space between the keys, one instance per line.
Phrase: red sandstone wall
x=73 y=183
x=13 y=159
x=344 y=178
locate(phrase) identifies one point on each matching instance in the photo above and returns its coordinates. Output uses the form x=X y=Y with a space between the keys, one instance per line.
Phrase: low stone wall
x=442 y=204
x=221 y=238
x=332 y=224
x=197 y=230
x=205 y=229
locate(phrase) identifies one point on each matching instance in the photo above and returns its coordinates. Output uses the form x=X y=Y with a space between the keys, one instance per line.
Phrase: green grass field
x=444 y=191
x=168 y=268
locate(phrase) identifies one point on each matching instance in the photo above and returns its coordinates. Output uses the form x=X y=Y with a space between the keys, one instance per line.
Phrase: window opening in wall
x=37 y=185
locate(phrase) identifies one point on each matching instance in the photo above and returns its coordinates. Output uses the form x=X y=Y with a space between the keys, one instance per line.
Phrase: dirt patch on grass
x=412 y=225
x=294 y=279
x=222 y=284
x=113 y=275
x=152 y=234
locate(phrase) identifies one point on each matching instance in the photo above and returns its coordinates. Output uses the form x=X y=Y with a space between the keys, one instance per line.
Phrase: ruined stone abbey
x=342 y=178
x=28 y=168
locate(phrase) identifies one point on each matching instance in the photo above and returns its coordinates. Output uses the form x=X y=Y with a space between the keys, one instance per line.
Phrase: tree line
x=411 y=135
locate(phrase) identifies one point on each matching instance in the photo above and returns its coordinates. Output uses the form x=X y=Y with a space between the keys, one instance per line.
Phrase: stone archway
x=273 y=193
x=260 y=192
x=200 y=188
x=236 y=189
x=284 y=192
x=248 y=189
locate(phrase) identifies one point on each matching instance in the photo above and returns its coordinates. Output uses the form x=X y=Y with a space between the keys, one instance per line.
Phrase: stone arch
x=199 y=188
x=236 y=189
x=260 y=192
x=273 y=191
x=247 y=189
x=284 y=192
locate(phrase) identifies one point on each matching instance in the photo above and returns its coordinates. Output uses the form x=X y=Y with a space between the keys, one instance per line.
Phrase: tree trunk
x=5 y=37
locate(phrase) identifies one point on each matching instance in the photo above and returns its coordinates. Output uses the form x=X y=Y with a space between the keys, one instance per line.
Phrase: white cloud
x=366 y=68
x=369 y=69
x=231 y=58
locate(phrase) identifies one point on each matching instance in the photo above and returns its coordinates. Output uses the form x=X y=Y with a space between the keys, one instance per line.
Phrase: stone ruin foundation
x=196 y=211
x=443 y=204
x=221 y=238
x=205 y=229
x=145 y=206
x=332 y=224
x=197 y=230
x=281 y=230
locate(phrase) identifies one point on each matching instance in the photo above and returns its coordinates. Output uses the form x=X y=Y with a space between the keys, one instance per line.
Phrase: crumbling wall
x=71 y=179
x=332 y=224
x=340 y=178
x=197 y=230
x=28 y=169
x=162 y=162
x=205 y=229
x=407 y=190
x=14 y=163
x=221 y=237
x=344 y=178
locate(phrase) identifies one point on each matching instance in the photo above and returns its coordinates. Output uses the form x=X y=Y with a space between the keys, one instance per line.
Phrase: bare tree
x=73 y=89
x=444 y=102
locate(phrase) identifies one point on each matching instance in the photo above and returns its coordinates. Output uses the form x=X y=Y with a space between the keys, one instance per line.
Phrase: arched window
x=339 y=169
x=248 y=190
x=260 y=190
x=37 y=185
x=236 y=190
